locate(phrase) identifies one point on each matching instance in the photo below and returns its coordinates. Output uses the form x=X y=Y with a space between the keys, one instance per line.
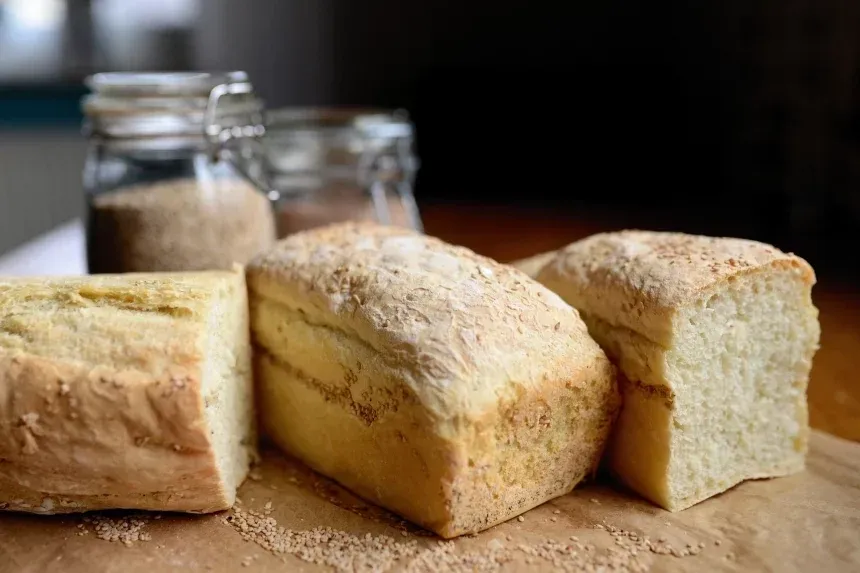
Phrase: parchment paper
x=807 y=522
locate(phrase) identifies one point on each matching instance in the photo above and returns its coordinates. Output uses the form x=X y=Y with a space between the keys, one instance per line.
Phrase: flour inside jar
x=182 y=224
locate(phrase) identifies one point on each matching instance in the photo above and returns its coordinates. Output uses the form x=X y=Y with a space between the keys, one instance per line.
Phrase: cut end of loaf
x=227 y=387
x=740 y=372
x=726 y=402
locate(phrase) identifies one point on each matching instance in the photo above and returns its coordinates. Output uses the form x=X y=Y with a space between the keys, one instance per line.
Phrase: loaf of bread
x=126 y=391
x=715 y=338
x=432 y=381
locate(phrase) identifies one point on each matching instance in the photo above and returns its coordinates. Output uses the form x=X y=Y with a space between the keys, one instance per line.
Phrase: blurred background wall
x=721 y=116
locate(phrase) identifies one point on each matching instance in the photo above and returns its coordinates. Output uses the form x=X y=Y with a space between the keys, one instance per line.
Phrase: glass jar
x=327 y=165
x=169 y=177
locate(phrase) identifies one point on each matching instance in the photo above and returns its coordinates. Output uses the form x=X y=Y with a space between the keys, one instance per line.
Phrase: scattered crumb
x=246 y=561
x=345 y=552
x=553 y=519
x=255 y=475
x=595 y=500
x=126 y=530
x=717 y=542
x=322 y=545
x=557 y=511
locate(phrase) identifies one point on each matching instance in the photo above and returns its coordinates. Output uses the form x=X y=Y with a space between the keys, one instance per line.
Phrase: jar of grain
x=170 y=175
x=328 y=165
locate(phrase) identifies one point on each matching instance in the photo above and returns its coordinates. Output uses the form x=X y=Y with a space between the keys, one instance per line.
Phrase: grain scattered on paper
x=632 y=552
x=126 y=530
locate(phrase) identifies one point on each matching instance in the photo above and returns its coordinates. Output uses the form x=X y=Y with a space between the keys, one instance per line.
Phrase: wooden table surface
x=507 y=234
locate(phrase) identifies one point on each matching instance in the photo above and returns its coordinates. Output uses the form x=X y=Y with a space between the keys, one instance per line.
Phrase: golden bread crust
x=643 y=277
x=440 y=384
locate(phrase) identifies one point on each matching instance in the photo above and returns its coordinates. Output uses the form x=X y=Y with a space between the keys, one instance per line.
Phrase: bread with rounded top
x=442 y=385
x=715 y=338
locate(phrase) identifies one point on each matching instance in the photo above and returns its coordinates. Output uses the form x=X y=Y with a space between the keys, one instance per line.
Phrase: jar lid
x=130 y=105
x=336 y=142
x=335 y=122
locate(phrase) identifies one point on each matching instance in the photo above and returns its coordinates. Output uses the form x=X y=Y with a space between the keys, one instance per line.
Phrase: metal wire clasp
x=216 y=134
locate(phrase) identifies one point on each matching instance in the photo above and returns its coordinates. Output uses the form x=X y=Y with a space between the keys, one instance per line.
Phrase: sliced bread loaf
x=128 y=391
x=715 y=337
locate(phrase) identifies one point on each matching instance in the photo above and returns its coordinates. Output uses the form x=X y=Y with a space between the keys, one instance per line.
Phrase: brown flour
x=178 y=225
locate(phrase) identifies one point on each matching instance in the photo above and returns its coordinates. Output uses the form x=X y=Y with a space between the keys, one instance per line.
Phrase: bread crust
x=436 y=351
x=101 y=401
x=438 y=311
x=644 y=277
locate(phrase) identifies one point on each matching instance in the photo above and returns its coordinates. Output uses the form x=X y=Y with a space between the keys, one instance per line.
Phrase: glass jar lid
x=335 y=141
x=333 y=122
x=128 y=105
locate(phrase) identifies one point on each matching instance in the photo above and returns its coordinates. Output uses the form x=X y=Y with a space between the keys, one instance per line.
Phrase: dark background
x=722 y=117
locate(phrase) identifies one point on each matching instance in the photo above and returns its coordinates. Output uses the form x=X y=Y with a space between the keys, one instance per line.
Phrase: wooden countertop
x=508 y=234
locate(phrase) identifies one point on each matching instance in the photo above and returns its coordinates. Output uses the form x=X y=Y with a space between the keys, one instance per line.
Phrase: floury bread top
x=642 y=277
x=441 y=313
